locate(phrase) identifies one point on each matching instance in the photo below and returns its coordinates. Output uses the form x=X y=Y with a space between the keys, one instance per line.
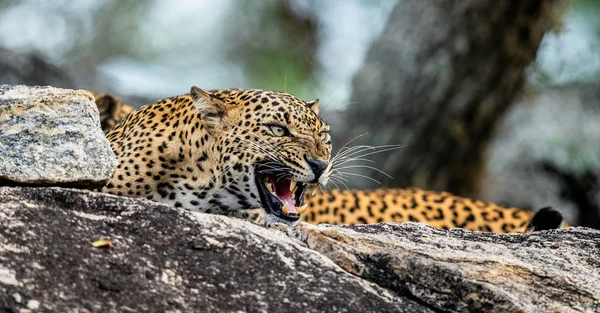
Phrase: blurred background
x=493 y=100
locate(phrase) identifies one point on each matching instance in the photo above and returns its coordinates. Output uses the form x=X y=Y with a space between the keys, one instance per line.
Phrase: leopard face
x=223 y=150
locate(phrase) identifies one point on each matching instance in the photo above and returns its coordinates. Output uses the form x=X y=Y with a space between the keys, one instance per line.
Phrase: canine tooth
x=301 y=209
x=292 y=185
x=269 y=187
x=285 y=209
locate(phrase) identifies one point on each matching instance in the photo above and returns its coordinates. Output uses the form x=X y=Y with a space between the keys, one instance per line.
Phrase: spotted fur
x=438 y=209
x=186 y=151
x=199 y=151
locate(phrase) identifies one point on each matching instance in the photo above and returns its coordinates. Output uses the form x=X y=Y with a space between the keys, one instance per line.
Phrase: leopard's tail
x=547 y=218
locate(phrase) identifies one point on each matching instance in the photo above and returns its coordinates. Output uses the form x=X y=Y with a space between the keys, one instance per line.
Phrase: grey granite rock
x=52 y=136
x=465 y=271
x=162 y=260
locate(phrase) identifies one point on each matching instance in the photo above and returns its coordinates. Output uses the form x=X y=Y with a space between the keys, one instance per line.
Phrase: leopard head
x=268 y=149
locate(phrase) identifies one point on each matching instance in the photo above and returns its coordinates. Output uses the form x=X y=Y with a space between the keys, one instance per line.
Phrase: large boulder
x=52 y=136
x=162 y=260
x=465 y=271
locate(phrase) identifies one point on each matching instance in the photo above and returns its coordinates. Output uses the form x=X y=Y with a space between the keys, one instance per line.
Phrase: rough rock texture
x=52 y=136
x=162 y=260
x=459 y=270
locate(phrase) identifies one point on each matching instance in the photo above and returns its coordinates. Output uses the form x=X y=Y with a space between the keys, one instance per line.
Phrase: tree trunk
x=437 y=80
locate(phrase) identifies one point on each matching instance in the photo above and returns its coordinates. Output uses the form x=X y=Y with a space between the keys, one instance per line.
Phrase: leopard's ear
x=212 y=110
x=314 y=106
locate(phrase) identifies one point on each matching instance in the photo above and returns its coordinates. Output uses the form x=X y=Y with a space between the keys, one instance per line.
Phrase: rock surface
x=162 y=260
x=52 y=136
x=459 y=270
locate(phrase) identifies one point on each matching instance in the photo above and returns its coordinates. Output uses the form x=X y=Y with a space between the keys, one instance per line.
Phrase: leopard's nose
x=318 y=167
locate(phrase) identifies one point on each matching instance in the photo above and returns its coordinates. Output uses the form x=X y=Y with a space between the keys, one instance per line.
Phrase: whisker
x=353 y=139
x=237 y=177
x=263 y=149
x=340 y=162
x=350 y=151
x=390 y=148
x=365 y=166
x=340 y=177
x=336 y=186
x=360 y=175
x=374 y=149
x=339 y=181
x=345 y=147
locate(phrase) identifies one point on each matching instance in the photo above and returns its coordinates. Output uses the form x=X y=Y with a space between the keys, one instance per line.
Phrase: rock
x=52 y=136
x=459 y=270
x=162 y=259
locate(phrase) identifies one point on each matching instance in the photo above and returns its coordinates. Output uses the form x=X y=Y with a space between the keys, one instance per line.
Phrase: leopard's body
x=438 y=209
x=203 y=151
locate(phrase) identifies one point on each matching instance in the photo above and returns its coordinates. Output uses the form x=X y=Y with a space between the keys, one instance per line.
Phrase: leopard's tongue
x=282 y=190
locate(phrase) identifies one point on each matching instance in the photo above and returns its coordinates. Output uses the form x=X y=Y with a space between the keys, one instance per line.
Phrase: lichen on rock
x=52 y=136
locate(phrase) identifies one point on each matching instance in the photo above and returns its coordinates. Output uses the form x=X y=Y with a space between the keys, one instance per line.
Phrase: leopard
x=442 y=210
x=261 y=155
x=110 y=108
x=222 y=151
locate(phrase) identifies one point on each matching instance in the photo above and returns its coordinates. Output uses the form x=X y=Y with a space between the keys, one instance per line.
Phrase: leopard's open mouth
x=281 y=197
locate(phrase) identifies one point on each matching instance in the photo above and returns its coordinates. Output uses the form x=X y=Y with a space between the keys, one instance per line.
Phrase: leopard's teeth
x=293 y=186
x=270 y=187
x=315 y=188
x=301 y=209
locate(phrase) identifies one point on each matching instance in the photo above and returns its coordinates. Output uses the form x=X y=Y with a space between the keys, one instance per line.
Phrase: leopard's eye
x=278 y=131
x=325 y=137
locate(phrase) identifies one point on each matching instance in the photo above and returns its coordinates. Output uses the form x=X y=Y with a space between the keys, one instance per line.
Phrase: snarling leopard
x=260 y=155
